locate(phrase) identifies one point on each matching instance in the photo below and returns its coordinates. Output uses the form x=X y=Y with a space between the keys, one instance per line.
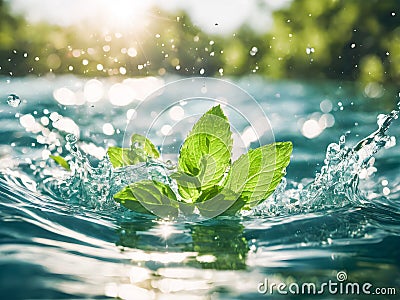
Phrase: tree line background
x=343 y=40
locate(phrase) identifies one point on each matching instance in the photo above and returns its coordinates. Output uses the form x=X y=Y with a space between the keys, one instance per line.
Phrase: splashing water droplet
x=13 y=100
x=342 y=141
x=381 y=119
x=336 y=184
x=71 y=138
x=137 y=145
x=253 y=51
x=170 y=165
x=331 y=151
x=310 y=50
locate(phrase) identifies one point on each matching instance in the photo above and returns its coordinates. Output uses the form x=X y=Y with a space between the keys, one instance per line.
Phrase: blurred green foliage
x=338 y=39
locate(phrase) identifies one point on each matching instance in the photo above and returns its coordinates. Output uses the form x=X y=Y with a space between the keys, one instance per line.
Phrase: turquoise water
x=62 y=236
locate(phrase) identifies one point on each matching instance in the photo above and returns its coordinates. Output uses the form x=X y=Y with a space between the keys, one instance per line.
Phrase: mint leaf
x=120 y=157
x=149 y=196
x=140 y=141
x=127 y=199
x=61 y=161
x=141 y=149
x=256 y=174
x=188 y=186
x=206 y=152
x=219 y=201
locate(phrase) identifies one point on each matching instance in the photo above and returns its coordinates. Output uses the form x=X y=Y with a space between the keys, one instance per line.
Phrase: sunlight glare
x=176 y=113
x=311 y=129
x=93 y=90
x=121 y=94
x=165 y=230
x=124 y=14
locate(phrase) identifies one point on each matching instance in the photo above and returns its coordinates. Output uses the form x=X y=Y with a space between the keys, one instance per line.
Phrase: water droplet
x=201 y=71
x=332 y=150
x=13 y=100
x=342 y=141
x=253 y=51
x=310 y=50
x=137 y=145
x=170 y=165
x=71 y=138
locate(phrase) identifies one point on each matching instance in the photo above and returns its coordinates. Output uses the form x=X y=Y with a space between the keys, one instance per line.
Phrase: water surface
x=82 y=246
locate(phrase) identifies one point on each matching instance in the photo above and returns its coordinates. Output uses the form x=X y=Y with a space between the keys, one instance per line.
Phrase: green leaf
x=140 y=141
x=61 y=161
x=127 y=199
x=149 y=196
x=256 y=174
x=219 y=201
x=120 y=157
x=141 y=149
x=188 y=186
x=186 y=208
x=206 y=152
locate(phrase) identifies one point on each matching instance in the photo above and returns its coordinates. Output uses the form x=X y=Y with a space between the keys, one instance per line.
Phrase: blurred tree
x=339 y=39
x=352 y=40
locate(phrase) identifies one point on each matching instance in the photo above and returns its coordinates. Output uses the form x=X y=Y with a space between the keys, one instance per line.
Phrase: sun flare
x=124 y=14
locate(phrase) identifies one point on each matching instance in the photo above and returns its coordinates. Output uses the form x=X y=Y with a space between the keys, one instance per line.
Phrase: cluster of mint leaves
x=207 y=181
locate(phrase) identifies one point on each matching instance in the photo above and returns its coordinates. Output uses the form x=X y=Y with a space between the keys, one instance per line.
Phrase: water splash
x=93 y=185
x=87 y=184
x=336 y=185
x=13 y=100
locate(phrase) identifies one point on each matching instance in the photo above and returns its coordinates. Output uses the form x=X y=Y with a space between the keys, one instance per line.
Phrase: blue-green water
x=60 y=241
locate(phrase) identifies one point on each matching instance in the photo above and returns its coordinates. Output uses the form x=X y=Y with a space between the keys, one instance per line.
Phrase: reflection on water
x=208 y=242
